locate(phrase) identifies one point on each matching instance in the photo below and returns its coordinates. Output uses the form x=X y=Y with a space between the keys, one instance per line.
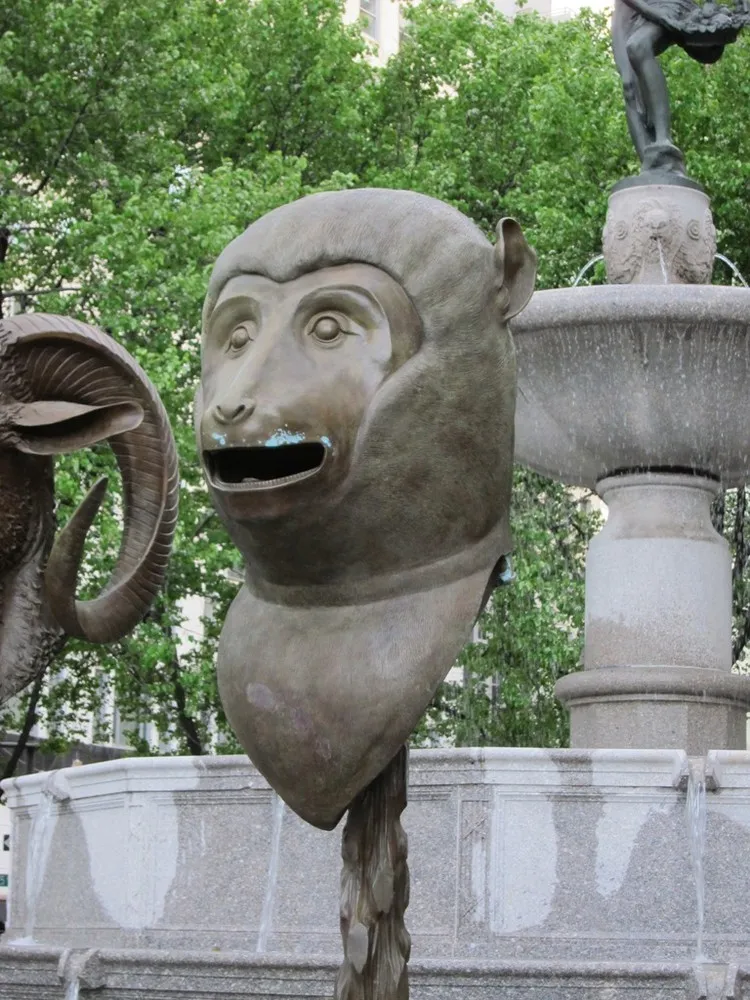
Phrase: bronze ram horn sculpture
x=65 y=385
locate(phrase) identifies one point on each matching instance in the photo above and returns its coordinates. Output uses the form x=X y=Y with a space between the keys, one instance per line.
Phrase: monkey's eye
x=327 y=330
x=241 y=335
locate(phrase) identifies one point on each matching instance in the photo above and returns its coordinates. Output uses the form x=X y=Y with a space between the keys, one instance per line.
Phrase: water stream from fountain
x=37 y=855
x=695 y=815
x=585 y=268
x=73 y=989
x=662 y=262
x=735 y=270
x=273 y=874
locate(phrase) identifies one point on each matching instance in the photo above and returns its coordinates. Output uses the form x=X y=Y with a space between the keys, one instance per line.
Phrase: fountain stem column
x=657 y=653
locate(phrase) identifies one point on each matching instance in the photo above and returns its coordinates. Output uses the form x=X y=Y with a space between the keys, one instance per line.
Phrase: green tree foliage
x=139 y=138
x=529 y=635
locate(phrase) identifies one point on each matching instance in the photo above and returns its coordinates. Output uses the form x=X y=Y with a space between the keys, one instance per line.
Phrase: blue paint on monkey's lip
x=282 y=437
x=266 y=466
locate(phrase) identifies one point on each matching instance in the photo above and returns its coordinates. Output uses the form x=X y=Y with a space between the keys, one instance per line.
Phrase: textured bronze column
x=375 y=890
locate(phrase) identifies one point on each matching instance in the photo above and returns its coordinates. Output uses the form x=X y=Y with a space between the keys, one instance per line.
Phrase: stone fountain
x=616 y=869
x=639 y=391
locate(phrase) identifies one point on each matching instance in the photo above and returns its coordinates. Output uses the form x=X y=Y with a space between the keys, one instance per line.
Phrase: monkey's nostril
x=231 y=414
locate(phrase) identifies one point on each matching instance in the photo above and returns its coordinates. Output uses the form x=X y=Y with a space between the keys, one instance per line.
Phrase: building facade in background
x=382 y=20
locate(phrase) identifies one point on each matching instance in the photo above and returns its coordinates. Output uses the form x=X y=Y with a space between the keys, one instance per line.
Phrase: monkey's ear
x=515 y=262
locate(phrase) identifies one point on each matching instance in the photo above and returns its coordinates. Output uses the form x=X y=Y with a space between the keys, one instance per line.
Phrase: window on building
x=6 y=841
x=368 y=12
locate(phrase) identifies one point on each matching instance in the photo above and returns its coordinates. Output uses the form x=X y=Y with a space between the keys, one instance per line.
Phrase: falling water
x=55 y=789
x=72 y=991
x=662 y=262
x=37 y=855
x=732 y=265
x=582 y=272
x=273 y=873
x=695 y=814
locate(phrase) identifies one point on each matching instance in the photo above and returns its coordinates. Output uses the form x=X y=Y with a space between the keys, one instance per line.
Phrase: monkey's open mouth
x=264 y=467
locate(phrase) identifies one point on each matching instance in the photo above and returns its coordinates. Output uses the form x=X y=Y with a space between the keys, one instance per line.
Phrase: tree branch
x=28 y=724
x=107 y=73
x=4 y=245
x=63 y=145
x=209 y=516
x=187 y=723
x=740 y=548
x=718 y=510
x=27 y=293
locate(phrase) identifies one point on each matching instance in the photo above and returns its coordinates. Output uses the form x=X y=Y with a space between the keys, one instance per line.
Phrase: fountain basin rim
x=553 y=308
x=144 y=775
x=492 y=968
x=619 y=379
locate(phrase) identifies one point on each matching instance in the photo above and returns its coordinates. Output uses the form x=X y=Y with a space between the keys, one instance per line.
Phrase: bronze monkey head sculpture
x=65 y=385
x=355 y=423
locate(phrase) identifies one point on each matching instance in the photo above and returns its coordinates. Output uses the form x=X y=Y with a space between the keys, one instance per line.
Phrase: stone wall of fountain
x=183 y=877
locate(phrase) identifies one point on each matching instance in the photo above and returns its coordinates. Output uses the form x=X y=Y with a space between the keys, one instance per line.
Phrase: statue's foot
x=663 y=156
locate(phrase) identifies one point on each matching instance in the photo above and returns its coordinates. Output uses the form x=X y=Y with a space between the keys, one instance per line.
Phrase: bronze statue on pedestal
x=641 y=31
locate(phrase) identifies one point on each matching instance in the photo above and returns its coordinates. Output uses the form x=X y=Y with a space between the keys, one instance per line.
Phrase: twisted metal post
x=375 y=891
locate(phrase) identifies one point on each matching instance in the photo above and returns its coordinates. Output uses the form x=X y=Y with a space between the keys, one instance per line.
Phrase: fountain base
x=196 y=976
x=535 y=873
x=656 y=707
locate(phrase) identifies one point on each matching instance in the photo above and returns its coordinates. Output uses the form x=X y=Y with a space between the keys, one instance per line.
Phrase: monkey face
x=289 y=370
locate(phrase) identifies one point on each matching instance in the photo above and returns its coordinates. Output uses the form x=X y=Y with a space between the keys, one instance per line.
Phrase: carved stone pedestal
x=659 y=234
x=657 y=653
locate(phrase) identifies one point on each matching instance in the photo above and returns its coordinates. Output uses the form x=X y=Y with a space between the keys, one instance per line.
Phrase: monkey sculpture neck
x=383 y=659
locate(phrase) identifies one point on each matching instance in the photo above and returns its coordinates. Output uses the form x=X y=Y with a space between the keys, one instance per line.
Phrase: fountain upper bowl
x=616 y=378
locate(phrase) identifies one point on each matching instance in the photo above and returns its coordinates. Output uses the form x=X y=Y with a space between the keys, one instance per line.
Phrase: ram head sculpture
x=65 y=385
x=355 y=424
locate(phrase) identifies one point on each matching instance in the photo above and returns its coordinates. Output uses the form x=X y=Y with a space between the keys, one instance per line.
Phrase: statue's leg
x=375 y=891
x=635 y=115
x=622 y=27
x=642 y=48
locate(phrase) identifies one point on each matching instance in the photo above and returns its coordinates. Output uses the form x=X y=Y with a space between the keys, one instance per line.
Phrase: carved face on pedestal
x=355 y=423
